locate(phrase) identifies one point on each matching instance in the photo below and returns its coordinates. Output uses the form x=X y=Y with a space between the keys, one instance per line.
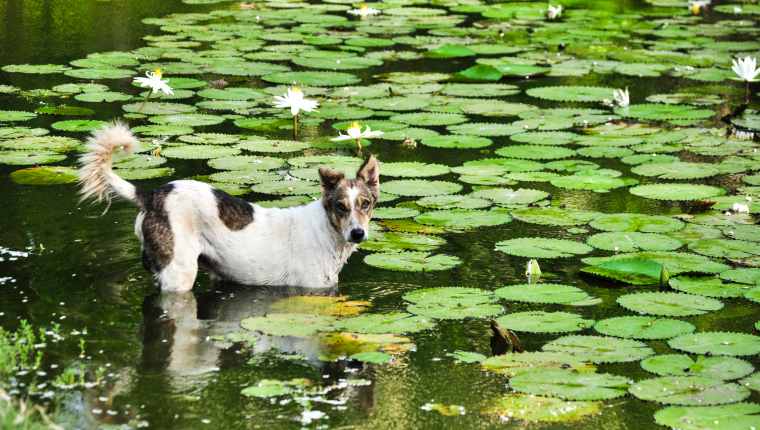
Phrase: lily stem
x=746 y=93
x=145 y=100
x=359 y=144
x=295 y=127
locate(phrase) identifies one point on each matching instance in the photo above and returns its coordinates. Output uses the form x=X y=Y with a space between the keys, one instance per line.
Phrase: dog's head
x=349 y=202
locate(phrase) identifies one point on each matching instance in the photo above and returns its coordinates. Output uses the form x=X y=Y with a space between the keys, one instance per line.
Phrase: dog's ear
x=369 y=173
x=330 y=178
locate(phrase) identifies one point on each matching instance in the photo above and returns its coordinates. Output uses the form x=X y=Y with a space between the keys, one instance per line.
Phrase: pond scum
x=503 y=113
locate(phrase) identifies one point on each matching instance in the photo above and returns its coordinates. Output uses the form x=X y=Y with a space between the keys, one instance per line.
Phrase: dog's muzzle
x=358 y=235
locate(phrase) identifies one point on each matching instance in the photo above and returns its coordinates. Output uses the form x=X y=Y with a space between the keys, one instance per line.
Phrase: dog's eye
x=365 y=205
x=342 y=207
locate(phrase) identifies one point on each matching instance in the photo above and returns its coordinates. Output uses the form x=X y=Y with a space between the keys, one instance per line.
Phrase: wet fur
x=184 y=223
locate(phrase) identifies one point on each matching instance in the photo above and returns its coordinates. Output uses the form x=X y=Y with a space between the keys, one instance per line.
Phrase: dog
x=185 y=224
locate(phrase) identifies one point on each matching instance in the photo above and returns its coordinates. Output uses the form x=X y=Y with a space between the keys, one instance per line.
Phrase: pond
x=607 y=147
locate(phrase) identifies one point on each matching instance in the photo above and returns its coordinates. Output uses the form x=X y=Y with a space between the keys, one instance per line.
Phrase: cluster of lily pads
x=523 y=112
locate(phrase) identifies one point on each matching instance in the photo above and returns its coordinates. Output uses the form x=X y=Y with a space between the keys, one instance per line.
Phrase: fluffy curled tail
x=96 y=178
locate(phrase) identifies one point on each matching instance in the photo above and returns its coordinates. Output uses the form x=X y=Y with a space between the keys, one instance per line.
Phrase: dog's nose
x=357 y=235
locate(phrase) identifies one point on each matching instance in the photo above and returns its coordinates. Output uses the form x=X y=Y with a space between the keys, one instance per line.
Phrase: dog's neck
x=332 y=245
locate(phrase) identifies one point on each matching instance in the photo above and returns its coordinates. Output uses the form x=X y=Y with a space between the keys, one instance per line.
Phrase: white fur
x=96 y=178
x=290 y=247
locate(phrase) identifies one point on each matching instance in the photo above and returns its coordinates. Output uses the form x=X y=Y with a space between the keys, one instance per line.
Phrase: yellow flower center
x=295 y=89
x=158 y=73
x=363 y=6
x=356 y=125
x=695 y=8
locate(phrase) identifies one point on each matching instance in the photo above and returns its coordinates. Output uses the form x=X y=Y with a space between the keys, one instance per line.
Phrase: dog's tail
x=96 y=178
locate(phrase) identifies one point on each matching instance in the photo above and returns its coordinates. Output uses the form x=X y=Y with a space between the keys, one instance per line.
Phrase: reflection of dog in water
x=184 y=223
x=182 y=332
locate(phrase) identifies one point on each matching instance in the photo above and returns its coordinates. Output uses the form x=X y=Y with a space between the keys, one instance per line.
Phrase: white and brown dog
x=186 y=223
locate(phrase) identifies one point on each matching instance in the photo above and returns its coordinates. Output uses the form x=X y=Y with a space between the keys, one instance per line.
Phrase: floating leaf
x=289 y=324
x=514 y=363
x=689 y=390
x=540 y=247
x=641 y=327
x=710 y=286
x=546 y=293
x=45 y=175
x=569 y=385
x=717 y=343
x=462 y=219
x=544 y=322
x=420 y=188
x=677 y=192
x=668 y=304
x=633 y=241
x=600 y=349
x=412 y=261
x=637 y=222
x=738 y=416
x=394 y=323
x=541 y=409
x=725 y=368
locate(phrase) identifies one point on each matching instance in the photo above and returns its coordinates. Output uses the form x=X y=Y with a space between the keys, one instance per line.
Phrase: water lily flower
x=622 y=97
x=295 y=100
x=554 y=12
x=363 y=11
x=354 y=132
x=746 y=68
x=154 y=82
x=740 y=208
x=532 y=271
x=696 y=6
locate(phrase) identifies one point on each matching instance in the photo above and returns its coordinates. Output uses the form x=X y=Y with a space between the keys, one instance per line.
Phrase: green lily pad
x=544 y=322
x=637 y=222
x=689 y=390
x=531 y=408
x=413 y=169
x=388 y=323
x=45 y=175
x=420 y=188
x=572 y=93
x=452 y=303
x=675 y=262
x=569 y=385
x=668 y=304
x=631 y=241
x=553 y=216
x=462 y=219
x=724 y=368
x=546 y=293
x=289 y=324
x=717 y=343
x=509 y=197
x=24 y=158
x=540 y=247
x=600 y=349
x=738 y=416
x=398 y=241
x=710 y=286
x=412 y=261
x=535 y=152
x=641 y=327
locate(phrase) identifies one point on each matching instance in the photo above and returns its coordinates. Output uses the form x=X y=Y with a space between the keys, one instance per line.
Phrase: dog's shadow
x=181 y=330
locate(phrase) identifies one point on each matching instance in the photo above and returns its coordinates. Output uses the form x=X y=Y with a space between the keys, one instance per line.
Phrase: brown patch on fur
x=234 y=212
x=158 y=238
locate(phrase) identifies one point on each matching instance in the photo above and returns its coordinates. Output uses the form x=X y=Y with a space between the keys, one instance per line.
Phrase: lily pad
x=668 y=304
x=546 y=293
x=544 y=322
x=569 y=385
x=540 y=247
x=725 y=368
x=641 y=327
x=600 y=349
x=717 y=343
x=289 y=324
x=689 y=390
x=412 y=261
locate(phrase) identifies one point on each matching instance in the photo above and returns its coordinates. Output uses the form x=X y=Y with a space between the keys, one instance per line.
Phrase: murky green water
x=161 y=366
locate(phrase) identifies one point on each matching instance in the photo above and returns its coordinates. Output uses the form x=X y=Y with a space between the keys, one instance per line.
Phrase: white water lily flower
x=363 y=11
x=154 y=82
x=295 y=100
x=354 y=132
x=622 y=97
x=696 y=6
x=740 y=208
x=746 y=68
x=554 y=12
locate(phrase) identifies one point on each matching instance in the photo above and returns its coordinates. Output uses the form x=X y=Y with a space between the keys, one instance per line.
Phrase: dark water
x=84 y=272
